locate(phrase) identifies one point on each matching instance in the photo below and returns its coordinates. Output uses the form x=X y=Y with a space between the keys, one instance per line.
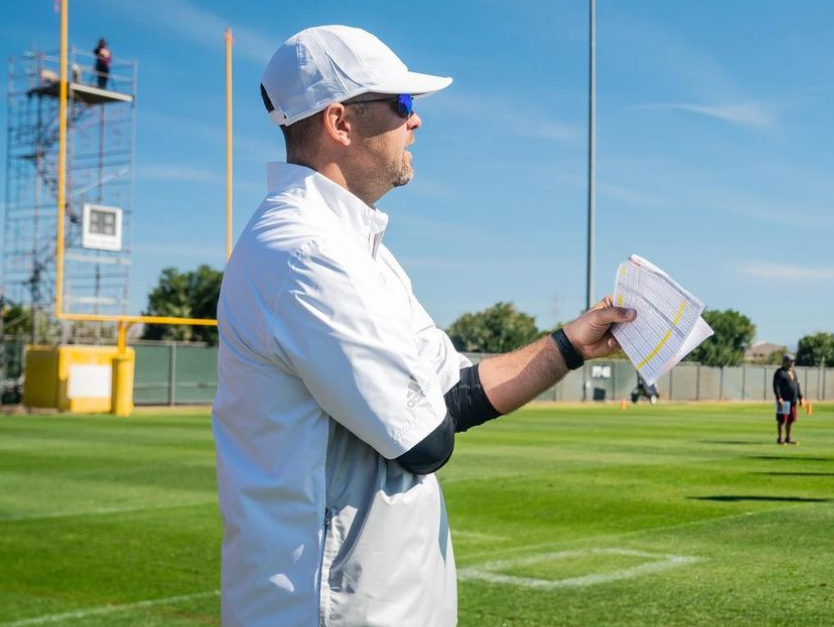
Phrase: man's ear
x=337 y=125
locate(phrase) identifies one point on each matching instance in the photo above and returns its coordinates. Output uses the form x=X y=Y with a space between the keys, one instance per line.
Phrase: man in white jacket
x=338 y=396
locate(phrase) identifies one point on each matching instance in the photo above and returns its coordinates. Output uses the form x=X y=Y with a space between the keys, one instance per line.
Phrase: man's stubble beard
x=386 y=173
x=405 y=173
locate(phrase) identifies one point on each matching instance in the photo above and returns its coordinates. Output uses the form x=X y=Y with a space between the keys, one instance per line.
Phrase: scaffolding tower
x=99 y=190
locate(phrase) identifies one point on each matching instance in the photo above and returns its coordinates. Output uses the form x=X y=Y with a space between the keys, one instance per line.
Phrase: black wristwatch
x=572 y=358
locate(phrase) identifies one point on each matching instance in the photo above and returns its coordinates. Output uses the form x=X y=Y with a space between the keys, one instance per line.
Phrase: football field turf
x=583 y=516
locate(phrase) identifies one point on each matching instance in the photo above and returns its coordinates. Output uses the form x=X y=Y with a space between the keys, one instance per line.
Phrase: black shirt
x=786 y=385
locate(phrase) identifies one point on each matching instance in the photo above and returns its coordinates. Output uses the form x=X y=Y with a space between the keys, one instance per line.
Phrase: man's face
x=384 y=136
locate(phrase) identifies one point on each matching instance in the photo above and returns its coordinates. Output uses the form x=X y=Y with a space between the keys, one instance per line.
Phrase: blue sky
x=714 y=138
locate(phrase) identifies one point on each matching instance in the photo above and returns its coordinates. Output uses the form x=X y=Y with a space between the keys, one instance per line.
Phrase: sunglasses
x=403 y=104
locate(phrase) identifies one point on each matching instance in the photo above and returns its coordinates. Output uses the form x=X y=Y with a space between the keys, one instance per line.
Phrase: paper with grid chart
x=668 y=325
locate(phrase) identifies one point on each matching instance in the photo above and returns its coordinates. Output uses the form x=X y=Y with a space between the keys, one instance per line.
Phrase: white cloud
x=427 y=188
x=188 y=125
x=690 y=190
x=192 y=22
x=439 y=230
x=179 y=173
x=756 y=114
x=632 y=196
x=656 y=48
x=705 y=86
x=780 y=271
x=209 y=254
x=786 y=213
x=259 y=149
x=540 y=129
x=508 y=115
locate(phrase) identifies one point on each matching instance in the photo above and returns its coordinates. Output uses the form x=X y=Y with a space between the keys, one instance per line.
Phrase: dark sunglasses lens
x=405 y=105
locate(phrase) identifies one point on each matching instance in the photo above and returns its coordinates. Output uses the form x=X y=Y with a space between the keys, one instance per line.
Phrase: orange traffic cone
x=623 y=403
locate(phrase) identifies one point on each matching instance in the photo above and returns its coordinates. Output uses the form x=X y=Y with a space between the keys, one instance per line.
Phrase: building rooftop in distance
x=762 y=350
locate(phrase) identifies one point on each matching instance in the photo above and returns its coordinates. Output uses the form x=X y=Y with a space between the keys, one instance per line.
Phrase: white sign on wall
x=90 y=381
x=102 y=227
x=601 y=372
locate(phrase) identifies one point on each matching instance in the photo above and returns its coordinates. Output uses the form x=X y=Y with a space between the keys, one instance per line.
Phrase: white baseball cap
x=327 y=64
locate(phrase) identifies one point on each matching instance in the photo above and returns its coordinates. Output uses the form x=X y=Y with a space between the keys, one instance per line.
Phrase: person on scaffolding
x=103 y=58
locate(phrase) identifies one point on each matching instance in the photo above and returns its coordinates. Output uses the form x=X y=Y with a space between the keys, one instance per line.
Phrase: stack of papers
x=668 y=325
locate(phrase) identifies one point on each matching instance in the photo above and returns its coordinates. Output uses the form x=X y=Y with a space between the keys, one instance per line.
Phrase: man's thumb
x=616 y=314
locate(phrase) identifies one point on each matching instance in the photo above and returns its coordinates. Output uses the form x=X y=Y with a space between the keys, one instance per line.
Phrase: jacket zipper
x=324 y=579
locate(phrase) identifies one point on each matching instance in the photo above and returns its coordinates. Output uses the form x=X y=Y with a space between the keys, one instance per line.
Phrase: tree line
x=501 y=328
x=497 y=329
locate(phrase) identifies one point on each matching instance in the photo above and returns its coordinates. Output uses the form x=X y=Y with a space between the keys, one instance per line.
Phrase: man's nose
x=414 y=122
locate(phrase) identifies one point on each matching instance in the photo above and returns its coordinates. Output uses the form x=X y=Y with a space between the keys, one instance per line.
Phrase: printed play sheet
x=668 y=325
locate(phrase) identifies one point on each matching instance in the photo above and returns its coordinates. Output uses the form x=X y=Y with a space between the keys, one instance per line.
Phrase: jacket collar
x=359 y=220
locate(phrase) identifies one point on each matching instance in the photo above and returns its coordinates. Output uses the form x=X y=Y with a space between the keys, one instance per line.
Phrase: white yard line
x=490 y=571
x=105 y=609
x=103 y=511
x=625 y=534
x=477 y=535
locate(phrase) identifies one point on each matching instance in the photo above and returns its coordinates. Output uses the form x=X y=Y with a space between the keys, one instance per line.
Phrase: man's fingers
x=605 y=347
x=605 y=303
x=616 y=314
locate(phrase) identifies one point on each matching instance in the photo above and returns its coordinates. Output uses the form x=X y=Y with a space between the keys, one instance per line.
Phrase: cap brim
x=413 y=83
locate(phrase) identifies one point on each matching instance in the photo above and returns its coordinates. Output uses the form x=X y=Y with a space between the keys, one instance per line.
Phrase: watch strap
x=572 y=358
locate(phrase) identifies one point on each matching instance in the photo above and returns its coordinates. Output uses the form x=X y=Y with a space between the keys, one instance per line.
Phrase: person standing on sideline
x=788 y=395
x=338 y=398
x=103 y=58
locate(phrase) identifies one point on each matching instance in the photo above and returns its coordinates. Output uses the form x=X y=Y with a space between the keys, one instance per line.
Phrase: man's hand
x=515 y=378
x=590 y=333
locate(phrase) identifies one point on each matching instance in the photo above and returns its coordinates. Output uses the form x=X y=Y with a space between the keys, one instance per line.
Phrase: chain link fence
x=174 y=373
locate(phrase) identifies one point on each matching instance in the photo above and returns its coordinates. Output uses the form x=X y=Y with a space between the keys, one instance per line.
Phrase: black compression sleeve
x=432 y=452
x=467 y=406
x=467 y=401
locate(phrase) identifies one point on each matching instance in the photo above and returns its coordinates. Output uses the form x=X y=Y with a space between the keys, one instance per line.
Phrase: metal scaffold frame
x=100 y=131
x=100 y=224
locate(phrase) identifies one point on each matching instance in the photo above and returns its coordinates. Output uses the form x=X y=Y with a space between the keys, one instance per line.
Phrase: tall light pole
x=592 y=157
x=229 y=42
x=592 y=201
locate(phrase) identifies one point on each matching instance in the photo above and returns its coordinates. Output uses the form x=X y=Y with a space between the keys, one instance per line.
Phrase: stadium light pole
x=592 y=155
x=229 y=41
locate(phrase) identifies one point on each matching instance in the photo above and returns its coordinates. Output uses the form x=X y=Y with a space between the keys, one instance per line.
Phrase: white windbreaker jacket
x=329 y=369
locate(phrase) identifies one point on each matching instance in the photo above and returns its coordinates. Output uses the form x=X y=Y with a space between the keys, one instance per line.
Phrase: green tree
x=16 y=319
x=734 y=332
x=191 y=294
x=816 y=350
x=498 y=329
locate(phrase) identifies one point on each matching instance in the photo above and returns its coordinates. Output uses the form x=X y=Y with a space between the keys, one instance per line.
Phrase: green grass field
x=667 y=515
